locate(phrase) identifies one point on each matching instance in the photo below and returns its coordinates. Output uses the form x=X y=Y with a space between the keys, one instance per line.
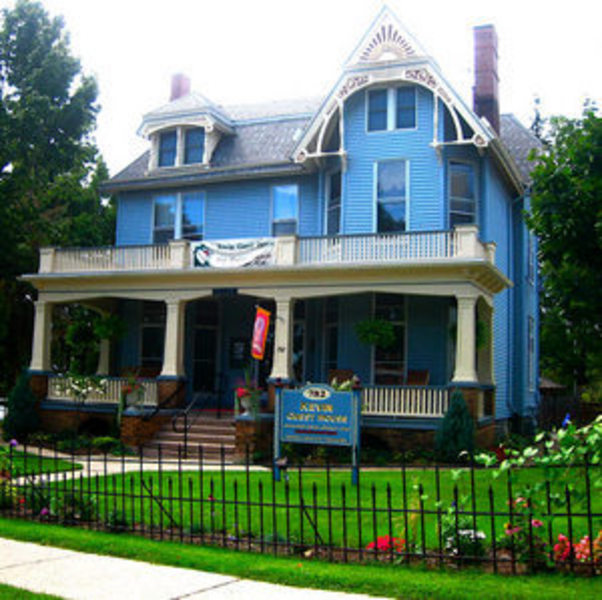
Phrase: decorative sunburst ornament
x=387 y=42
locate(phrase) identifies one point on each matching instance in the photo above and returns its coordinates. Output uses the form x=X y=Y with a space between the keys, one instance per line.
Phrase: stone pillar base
x=174 y=388
x=273 y=385
x=480 y=401
x=136 y=431
x=257 y=436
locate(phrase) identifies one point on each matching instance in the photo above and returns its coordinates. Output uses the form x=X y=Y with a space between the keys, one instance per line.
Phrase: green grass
x=7 y=592
x=204 y=506
x=27 y=464
x=390 y=581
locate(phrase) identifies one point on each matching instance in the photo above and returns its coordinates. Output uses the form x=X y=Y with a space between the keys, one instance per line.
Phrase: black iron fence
x=521 y=521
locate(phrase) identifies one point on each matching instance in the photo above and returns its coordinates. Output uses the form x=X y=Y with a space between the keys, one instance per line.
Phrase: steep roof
x=265 y=136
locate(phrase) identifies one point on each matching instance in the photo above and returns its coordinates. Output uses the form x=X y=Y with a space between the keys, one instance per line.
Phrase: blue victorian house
x=389 y=206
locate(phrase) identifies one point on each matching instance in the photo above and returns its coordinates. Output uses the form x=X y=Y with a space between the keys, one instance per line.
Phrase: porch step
x=206 y=430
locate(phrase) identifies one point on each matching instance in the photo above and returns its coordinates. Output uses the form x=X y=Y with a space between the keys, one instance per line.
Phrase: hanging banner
x=233 y=253
x=260 y=332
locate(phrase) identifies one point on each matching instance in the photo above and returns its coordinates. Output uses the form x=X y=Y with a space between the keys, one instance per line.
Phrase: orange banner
x=260 y=332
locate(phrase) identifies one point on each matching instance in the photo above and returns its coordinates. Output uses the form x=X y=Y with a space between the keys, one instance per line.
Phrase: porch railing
x=382 y=247
x=405 y=401
x=461 y=242
x=59 y=389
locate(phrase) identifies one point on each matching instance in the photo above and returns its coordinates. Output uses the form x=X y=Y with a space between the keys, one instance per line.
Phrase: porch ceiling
x=442 y=278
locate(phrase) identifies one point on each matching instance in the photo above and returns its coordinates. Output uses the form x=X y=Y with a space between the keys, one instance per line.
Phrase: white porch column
x=42 y=333
x=282 y=362
x=465 y=370
x=104 y=352
x=173 y=354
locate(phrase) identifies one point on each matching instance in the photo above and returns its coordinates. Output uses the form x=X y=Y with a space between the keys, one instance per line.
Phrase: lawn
x=28 y=464
x=408 y=583
x=313 y=509
x=7 y=592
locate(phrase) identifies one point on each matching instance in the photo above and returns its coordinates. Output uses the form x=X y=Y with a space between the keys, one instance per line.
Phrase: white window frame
x=179 y=196
x=391 y=109
x=473 y=165
x=375 y=192
x=297 y=208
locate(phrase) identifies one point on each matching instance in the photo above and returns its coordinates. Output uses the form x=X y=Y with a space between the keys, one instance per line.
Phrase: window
x=165 y=219
x=389 y=363
x=194 y=145
x=406 y=108
x=391 y=108
x=377 y=110
x=152 y=335
x=531 y=353
x=167 y=148
x=333 y=208
x=462 y=196
x=391 y=192
x=179 y=216
x=285 y=205
x=192 y=216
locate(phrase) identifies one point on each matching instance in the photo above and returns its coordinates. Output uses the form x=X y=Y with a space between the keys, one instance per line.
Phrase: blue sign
x=317 y=414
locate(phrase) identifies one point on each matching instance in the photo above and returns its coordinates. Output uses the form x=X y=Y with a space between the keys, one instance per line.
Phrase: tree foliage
x=566 y=215
x=22 y=418
x=49 y=168
x=456 y=431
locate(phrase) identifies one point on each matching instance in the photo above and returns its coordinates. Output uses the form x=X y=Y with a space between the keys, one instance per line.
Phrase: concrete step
x=195 y=438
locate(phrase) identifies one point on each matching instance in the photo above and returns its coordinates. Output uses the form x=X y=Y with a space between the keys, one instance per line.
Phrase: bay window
x=333 y=204
x=462 y=194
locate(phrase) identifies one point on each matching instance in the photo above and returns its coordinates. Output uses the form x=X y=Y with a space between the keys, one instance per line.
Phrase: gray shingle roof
x=519 y=141
x=265 y=136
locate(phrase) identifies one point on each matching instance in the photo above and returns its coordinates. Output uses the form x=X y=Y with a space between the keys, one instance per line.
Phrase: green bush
x=456 y=431
x=21 y=419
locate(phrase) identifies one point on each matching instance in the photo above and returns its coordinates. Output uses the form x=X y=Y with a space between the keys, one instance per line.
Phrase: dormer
x=186 y=131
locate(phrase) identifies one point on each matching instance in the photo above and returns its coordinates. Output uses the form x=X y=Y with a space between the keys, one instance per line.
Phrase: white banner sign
x=233 y=253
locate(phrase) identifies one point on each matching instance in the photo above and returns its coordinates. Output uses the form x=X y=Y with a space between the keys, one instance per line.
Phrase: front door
x=205 y=352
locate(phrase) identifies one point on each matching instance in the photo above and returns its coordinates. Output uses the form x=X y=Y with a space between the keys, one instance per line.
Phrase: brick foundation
x=136 y=431
x=39 y=385
x=169 y=387
x=56 y=421
x=257 y=435
x=398 y=440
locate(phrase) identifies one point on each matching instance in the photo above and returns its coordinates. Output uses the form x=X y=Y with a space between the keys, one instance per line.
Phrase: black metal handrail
x=161 y=405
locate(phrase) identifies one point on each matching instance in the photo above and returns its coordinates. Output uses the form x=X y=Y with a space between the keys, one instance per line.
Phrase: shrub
x=456 y=431
x=459 y=536
x=22 y=418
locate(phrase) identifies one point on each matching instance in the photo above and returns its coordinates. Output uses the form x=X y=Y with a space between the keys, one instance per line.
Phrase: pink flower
x=512 y=530
x=536 y=523
x=13 y=443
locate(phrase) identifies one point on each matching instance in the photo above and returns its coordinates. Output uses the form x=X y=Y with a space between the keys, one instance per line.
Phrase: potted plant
x=248 y=396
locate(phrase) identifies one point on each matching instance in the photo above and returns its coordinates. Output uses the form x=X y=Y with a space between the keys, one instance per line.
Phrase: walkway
x=83 y=576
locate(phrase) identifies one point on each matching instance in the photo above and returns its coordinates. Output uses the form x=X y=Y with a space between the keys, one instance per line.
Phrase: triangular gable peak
x=386 y=39
x=388 y=53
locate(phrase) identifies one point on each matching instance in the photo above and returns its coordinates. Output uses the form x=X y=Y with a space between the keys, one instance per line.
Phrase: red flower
x=385 y=543
x=241 y=392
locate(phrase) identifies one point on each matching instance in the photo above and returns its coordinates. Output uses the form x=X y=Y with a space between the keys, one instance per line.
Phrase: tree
x=566 y=215
x=456 y=431
x=49 y=168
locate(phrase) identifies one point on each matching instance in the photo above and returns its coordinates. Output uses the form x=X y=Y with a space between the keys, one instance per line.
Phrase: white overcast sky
x=239 y=51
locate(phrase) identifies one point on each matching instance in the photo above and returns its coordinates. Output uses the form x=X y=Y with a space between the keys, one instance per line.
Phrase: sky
x=246 y=51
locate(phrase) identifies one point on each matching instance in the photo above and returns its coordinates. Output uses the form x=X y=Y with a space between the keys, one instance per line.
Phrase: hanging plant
x=376 y=332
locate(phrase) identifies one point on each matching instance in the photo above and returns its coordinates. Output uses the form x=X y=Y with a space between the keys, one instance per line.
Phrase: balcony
x=461 y=244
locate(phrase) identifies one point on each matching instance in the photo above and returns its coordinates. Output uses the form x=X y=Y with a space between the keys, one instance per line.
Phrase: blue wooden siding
x=134 y=219
x=428 y=336
x=365 y=148
x=232 y=210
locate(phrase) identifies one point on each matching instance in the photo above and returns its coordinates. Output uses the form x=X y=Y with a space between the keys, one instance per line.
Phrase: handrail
x=161 y=405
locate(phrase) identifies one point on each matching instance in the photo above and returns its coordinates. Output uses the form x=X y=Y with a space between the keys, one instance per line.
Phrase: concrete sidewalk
x=81 y=576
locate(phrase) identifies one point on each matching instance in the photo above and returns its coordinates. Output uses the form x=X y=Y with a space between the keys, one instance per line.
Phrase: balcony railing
x=460 y=243
x=60 y=388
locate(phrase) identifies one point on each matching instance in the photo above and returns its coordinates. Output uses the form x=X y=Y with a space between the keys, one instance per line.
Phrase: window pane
x=195 y=145
x=167 y=149
x=285 y=202
x=333 y=214
x=377 y=110
x=192 y=216
x=392 y=179
x=406 y=108
x=461 y=180
x=391 y=217
x=334 y=220
x=165 y=211
x=462 y=200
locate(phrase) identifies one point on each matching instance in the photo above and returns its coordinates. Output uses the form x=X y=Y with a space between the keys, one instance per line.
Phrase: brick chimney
x=486 y=102
x=180 y=86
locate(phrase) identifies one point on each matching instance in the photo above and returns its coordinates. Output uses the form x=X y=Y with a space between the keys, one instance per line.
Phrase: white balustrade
x=404 y=401
x=112 y=258
x=391 y=247
x=59 y=388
